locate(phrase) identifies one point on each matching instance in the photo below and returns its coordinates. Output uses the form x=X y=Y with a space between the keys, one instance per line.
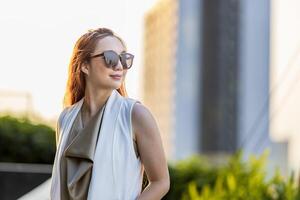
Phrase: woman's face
x=98 y=74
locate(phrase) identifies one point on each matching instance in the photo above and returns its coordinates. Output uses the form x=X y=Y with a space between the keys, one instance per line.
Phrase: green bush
x=195 y=179
x=23 y=141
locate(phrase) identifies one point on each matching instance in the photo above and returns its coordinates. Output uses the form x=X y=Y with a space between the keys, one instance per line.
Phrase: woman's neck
x=93 y=101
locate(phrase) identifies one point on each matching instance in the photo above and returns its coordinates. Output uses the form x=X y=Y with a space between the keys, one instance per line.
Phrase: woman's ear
x=84 y=68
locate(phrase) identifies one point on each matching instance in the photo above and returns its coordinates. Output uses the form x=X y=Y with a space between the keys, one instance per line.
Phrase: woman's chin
x=116 y=85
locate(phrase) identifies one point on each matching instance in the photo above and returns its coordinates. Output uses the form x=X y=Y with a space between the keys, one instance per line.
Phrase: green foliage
x=195 y=169
x=194 y=179
x=22 y=141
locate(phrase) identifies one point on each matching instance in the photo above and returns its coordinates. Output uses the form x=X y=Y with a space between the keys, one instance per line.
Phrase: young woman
x=105 y=140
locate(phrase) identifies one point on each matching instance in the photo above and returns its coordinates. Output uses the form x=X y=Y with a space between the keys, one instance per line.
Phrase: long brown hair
x=82 y=50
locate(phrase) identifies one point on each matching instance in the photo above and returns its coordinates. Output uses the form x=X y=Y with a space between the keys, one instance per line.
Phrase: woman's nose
x=119 y=66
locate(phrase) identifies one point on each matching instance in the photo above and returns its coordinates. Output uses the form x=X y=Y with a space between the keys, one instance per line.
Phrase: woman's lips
x=117 y=77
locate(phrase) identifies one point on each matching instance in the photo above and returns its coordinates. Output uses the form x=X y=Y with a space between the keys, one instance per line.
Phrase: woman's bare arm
x=152 y=153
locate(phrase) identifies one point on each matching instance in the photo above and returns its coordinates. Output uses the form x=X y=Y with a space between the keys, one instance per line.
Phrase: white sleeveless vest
x=117 y=173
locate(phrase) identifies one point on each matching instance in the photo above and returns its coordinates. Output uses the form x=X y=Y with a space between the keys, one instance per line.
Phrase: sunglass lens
x=111 y=58
x=124 y=63
x=126 y=60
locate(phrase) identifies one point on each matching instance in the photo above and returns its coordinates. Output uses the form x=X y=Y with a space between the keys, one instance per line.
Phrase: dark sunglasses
x=112 y=59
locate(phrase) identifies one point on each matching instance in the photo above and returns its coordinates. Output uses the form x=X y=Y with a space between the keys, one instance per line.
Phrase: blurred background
x=220 y=77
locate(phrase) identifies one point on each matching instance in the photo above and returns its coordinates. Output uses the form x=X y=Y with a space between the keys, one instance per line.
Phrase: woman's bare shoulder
x=143 y=121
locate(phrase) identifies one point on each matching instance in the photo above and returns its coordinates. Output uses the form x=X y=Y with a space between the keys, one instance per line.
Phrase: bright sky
x=285 y=66
x=37 y=38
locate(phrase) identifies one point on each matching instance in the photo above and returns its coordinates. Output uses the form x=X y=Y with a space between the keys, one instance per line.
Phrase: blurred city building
x=207 y=77
x=16 y=102
x=160 y=33
x=20 y=104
